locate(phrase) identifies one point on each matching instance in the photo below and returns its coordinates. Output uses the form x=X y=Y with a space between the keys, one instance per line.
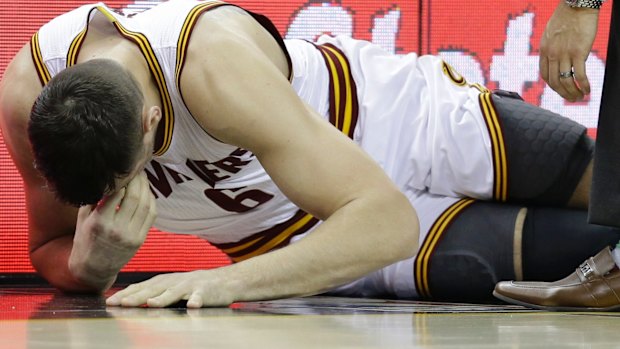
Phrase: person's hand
x=200 y=288
x=109 y=234
x=565 y=47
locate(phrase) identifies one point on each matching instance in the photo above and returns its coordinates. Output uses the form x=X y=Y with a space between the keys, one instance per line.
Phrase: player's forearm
x=51 y=261
x=363 y=236
x=96 y=260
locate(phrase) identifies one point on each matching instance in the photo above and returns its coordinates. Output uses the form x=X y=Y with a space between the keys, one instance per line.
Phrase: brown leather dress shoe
x=594 y=286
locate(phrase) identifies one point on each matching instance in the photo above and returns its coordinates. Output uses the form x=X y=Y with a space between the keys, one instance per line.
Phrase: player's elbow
x=58 y=275
x=401 y=226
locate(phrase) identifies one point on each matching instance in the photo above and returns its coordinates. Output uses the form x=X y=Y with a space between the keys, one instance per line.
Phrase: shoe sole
x=552 y=308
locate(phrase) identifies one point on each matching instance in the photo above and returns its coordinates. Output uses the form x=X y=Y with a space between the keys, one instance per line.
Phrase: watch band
x=595 y=4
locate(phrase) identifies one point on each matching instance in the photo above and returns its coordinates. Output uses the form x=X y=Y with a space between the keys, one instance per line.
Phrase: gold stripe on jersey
x=435 y=233
x=343 y=103
x=285 y=236
x=74 y=48
x=241 y=247
x=157 y=74
x=270 y=239
x=498 y=147
x=37 y=59
x=186 y=32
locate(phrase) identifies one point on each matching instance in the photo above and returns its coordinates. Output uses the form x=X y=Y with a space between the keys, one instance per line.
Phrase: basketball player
x=317 y=167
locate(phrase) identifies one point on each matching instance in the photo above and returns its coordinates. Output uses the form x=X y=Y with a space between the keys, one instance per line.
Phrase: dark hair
x=85 y=130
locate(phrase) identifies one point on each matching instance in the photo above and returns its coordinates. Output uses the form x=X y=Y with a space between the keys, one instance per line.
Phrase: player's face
x=145 y=154
x=143 y=158
x=122 y=182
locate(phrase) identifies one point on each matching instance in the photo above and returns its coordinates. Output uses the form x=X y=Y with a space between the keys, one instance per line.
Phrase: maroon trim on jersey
x=268 y=240
x=343 y=102
x=186 y=33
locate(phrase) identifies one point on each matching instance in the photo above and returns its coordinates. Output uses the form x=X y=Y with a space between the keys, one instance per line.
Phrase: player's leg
x=489 y=242
x=549 y=157
x=581 y=195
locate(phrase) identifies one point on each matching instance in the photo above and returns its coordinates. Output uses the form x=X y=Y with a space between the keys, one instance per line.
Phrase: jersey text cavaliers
x=210 y=172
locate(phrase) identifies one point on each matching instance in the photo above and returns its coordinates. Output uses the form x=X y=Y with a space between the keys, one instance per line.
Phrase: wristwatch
x=595 y=4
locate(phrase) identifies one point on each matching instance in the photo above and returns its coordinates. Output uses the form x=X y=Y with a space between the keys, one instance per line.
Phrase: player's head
x=87 y=130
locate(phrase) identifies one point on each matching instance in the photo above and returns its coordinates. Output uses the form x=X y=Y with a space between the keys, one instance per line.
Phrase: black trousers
x=605 y=194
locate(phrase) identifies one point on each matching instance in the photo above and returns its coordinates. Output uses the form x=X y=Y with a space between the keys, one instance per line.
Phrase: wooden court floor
x=45 y=318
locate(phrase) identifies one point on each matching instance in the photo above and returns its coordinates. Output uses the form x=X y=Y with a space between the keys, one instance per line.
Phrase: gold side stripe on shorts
x=157 y=73
x=456 y=78
x=37 y=59
x=500 y=162
x=186 y=32
x=343 y=103
x=269 y=239
x=421 y=263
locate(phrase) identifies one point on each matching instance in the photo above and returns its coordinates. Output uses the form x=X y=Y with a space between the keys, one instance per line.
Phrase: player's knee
x=474 y=253
x=462 y=276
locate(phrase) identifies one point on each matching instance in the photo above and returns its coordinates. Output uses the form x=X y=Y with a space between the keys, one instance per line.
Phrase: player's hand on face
x=108 y=234
x=565 y=47
x=200 y=288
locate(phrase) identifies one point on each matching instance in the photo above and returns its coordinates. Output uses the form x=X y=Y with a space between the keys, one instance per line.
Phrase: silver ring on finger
x=566 y=74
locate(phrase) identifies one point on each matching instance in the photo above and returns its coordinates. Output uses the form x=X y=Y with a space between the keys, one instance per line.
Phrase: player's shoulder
x=224 y=37
x=223 y=26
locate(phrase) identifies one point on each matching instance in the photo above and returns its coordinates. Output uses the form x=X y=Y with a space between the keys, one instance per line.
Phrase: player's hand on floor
x=199 y=288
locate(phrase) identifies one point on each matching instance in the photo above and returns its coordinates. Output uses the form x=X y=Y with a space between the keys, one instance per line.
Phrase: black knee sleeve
x=474 y=253
x=547 y=153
